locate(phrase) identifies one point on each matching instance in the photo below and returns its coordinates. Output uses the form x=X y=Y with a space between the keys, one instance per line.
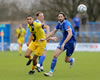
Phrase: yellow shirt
x=20 y=32
x=36 y=30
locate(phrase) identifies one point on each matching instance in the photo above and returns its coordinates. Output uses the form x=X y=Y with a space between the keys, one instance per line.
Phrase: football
x=82 y=8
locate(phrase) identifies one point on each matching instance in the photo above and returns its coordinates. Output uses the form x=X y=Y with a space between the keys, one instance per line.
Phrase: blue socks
x=53 y=64
x=70 y=60
x=41 y=59
x=54 y=61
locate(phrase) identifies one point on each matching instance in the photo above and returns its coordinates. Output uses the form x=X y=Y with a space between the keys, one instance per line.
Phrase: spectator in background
x=84 y=18
x=76 y=21
x=20 y=34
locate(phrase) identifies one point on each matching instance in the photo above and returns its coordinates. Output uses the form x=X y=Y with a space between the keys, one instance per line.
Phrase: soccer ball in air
x=82 y=8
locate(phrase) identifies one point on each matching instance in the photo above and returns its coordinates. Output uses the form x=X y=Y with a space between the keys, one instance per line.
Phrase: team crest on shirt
x=68 y=27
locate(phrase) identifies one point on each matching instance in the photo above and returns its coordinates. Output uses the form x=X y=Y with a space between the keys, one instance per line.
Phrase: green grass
x=86 y=67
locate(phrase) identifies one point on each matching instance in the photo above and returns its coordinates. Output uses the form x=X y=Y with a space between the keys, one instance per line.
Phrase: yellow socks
x=20 y=49
x=33 y=67
x=31 y=57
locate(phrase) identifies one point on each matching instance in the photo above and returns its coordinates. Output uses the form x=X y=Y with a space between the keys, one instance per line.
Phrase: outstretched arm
x=47 y=28
x=50 y=34
x=53 y=38
x=30 y=39
x=67 y=38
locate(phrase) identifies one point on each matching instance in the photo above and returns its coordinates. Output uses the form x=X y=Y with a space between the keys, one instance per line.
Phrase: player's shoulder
x=17 y=29
x=58 y=23
x=37 y=22
x=67 y=22
x=24 y=29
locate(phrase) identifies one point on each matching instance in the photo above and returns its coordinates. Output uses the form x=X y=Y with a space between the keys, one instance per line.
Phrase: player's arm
x=16 y=34
x=24 y=32
x=47 y=28
x=67 y=38
x=53 y=38
x=47 y=32
x=50 y=34
x=30 y=39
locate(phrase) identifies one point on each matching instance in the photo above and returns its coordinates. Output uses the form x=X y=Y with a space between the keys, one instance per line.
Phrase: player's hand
x=62 y=47
x=28 y=44
x=42 y=39
x=54 y=38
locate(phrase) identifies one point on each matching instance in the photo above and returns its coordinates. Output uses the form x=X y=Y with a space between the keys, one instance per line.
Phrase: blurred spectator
x=76 y=22
x=20 y=34
x=84 y=22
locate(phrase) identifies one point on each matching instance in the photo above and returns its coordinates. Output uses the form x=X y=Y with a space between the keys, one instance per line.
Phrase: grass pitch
x=86 y=67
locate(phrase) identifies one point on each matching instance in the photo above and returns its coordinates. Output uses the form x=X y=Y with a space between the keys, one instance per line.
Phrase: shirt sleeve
x=24 y=31
x=67 y=26
x=57 y=26
x=38 y=25
x=16 y=31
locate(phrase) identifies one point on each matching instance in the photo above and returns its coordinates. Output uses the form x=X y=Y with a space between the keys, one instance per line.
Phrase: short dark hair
x=37 y=13
x=29 y=16
x=62 y=14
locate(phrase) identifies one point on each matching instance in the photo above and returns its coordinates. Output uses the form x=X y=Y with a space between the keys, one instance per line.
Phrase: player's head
x=29 y=19
x=61 y=16
x=20 y=26
x=40 y=16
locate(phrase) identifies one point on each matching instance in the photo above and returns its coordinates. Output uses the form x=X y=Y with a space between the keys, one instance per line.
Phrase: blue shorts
x=69 y=47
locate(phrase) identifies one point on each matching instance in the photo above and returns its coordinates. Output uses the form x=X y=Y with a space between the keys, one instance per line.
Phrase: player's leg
x=75 y=29
x=28 y=52
x=39 y=52
x=41 y=60
x=34 y=64
x=69 y=52
x=20 y=48
x=39 y=66
x=53 y=63
x=78 y=31
x=21 y=44
x=70 y=60
x=54 y=60
x=34 y=61
x=28 y=55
